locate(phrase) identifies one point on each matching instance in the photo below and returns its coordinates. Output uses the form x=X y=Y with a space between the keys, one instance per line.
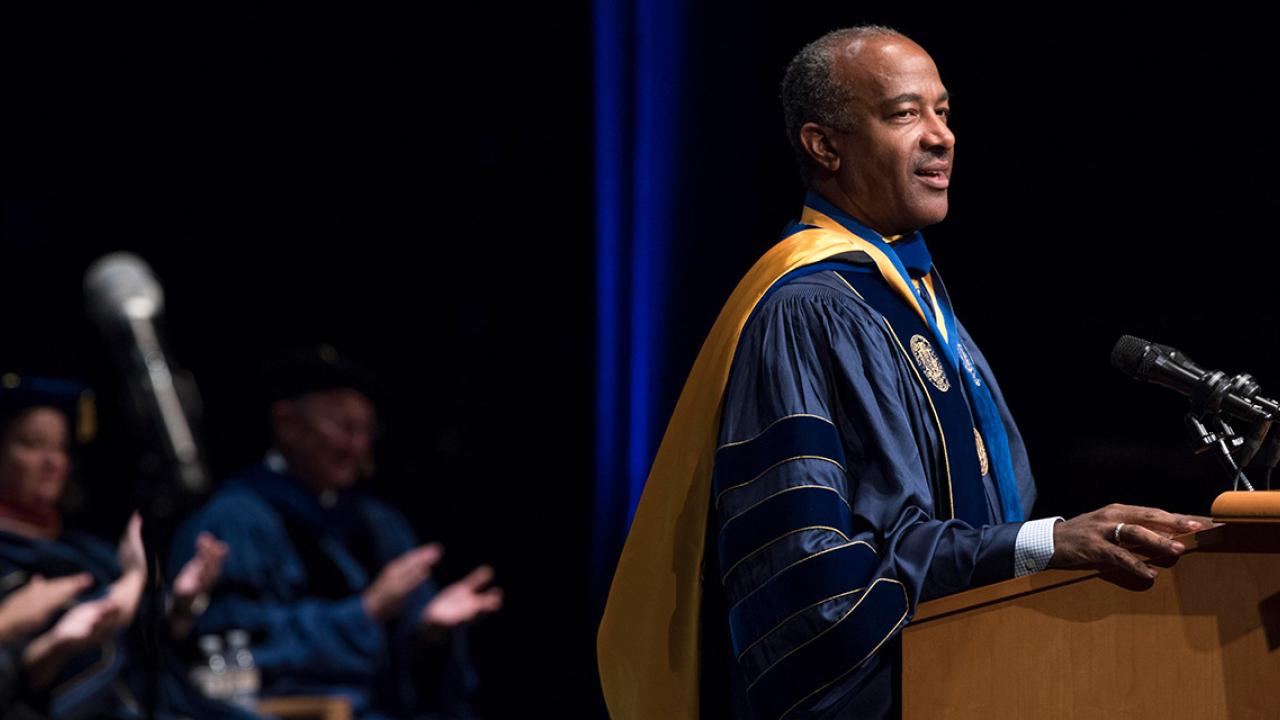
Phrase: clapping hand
x=192 y=585
x=401 y=576
x=127 y=590
x=198 y=576
x=26 y=609
x=463 y=601
x=130 y=553
x=86 y=625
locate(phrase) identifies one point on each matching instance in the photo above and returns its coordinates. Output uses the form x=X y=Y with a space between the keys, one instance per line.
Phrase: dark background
x=418 y=190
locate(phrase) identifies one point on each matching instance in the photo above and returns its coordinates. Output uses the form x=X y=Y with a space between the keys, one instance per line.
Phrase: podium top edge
x=1262 y=504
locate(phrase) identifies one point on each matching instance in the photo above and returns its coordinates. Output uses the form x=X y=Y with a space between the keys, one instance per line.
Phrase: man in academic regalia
x=841 y=450
x=329 y=581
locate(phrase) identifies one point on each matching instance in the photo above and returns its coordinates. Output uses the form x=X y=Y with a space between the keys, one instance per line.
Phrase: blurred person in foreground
x=329 y=581
x=71 y=598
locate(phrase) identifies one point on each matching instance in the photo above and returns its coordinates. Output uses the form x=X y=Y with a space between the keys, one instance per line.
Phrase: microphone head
x=1133 y=355
x=121 y=287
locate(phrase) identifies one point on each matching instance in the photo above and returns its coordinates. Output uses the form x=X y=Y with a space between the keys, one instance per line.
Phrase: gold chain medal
x=929 y=364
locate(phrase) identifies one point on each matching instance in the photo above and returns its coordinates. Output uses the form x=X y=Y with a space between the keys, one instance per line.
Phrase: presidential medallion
x=929 y=363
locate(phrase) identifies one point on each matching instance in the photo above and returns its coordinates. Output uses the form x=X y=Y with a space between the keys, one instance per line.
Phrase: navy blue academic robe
x=293 y=578
x=823 y=554
x=108 y=681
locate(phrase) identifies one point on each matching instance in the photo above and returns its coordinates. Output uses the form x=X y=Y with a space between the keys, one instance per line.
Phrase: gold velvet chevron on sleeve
x=647 y=647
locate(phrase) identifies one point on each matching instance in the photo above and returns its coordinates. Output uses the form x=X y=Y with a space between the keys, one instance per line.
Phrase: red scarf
x=43 y=523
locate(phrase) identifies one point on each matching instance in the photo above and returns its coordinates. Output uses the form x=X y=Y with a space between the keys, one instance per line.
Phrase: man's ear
x=819 y=142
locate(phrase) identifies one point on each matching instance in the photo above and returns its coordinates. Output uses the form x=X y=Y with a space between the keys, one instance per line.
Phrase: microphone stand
x=1222 y=441
x=125 y=301
x=1258 y=432
x=1207 y=399
x=1214 y=396
x=1270 y=457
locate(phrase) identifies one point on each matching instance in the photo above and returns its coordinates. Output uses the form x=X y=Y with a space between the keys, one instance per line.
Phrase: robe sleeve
x=826 y=532
x=261 y=589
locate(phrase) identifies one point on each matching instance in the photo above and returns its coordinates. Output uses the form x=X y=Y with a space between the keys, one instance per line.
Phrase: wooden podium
x=1202 y=642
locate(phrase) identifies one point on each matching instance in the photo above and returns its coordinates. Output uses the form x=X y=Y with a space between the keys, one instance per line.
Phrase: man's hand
x=1089 y=540
x=463 y=601
x=193 y=583
x=199 y=574
x=26 y=609
x=387 y=594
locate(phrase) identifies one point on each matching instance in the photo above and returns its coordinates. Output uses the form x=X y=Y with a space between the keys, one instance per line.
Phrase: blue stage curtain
x=638 y=64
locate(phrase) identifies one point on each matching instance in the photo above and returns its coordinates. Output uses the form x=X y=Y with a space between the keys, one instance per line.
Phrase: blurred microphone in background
x=125 y=301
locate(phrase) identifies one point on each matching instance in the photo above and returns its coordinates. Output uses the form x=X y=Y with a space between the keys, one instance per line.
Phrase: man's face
x=896 y=151
x=326 y=436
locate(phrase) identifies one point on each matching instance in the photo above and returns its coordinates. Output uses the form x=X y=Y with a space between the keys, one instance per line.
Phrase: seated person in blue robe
x=78 y=665
x=329 y=581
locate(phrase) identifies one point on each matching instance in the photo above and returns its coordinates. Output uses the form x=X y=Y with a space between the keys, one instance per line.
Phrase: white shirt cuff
x=1033 y=549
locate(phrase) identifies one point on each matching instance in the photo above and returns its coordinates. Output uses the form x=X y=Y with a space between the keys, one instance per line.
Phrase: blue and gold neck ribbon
x=941 y=319
x=820 y=213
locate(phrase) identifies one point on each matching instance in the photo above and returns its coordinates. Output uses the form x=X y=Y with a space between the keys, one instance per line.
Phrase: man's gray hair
x=812 y=92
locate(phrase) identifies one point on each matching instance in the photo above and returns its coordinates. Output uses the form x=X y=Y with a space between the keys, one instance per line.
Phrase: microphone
x=1210 y=391
x=124 y=299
